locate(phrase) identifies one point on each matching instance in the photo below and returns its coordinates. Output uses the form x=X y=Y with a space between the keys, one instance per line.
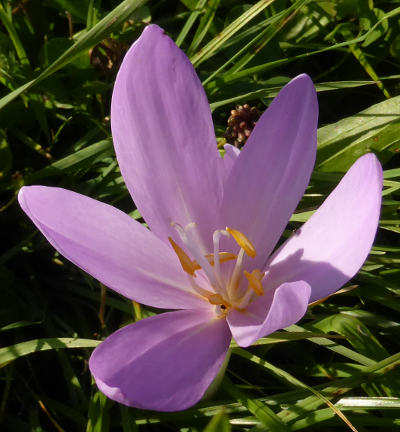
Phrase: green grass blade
x=268 y=418
x=216 y=43
x=190 y=22
x=291 y=380
x=85 y=41
x=204 y=25
x=13 y=36
x=12 y=352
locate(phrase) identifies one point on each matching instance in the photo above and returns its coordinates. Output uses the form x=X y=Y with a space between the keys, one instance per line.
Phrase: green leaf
x=75 y=160
x=380 y=30
x=215 y=44
x=267 y=417
x=355 y=332
x=352 y=403
x=12 y=352
x=6 y=156
x=376 y=129
x=219 y=423
x=98 y=415
x=85 y=41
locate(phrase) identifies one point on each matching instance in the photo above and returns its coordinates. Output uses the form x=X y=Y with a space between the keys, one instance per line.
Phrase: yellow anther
x=223 y=257
x=187 y=264
x=254 y=279
x=242 y=241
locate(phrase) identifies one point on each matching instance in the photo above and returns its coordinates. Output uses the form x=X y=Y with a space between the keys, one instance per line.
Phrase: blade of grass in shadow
x=85 y=41
x=359 y=55
x=203 y=26
x=270 y=33
x=8 y=24
x=287 y=337
x=340 y=387
x=216 y=43
x=259 y=35
x=270 y=65
x=291 y=380
x=333 y=346
x=265 y=414
x=190 y=22
x=271 y=92
x=74 y=160
x=12 y=352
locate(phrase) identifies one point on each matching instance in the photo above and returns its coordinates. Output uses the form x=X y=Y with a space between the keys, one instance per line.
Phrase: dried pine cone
x=240 y=124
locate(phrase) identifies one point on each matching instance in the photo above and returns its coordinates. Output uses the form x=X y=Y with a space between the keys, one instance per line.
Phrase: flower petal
x=164 y=137
x=163 y=363
x=272 y=171
x=333 y=244
x=275 y=310
x=111 y=246
x=231 y=154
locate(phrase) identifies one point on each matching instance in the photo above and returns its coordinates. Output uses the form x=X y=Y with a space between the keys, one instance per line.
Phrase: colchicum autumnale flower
x=213 y=223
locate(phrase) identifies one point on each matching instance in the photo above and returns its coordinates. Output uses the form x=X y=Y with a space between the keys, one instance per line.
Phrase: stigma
x=228 y=283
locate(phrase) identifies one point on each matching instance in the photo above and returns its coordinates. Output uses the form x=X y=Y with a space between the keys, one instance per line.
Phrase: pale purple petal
x=272 y=171
x=333 y=244
x=275 y=310
x=231 y=154
x=163 y=363
x=164 y=137
x=111 y=246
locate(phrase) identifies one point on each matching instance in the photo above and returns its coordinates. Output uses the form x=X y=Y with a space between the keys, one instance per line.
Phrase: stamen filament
x=216 y=237
x=196 y=287
x=236 y=274
x=187 y=237
x=242 y=241
x=244 y=301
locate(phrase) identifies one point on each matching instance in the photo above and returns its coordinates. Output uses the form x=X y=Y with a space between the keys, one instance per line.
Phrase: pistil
x=217 y=266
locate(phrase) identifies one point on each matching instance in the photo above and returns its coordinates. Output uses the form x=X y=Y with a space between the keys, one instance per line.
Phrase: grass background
x=336 y=369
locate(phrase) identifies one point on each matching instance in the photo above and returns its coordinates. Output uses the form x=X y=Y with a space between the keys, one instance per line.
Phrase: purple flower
x=213 y=223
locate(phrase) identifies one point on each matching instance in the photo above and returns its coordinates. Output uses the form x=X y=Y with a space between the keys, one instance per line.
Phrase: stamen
x=217 y=299
x=186 y=263
x=188 y=237
x=235 y=278
x=217 y=268
x=254 y=279
x=242 y=241
x=244 y=301
x=197 y=288
x=223 y=257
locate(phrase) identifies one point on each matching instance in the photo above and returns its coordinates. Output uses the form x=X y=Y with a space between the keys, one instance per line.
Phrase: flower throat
x=224 y=294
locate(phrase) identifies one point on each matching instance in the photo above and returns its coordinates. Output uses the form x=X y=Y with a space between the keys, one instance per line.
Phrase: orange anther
x=254 y=279
x=242 y=241
x=187 y=264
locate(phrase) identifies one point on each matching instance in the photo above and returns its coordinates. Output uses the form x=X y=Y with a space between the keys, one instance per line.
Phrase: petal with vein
x=275 y=310
x=230 y=157
x=163 y=363
x=111 y=246
x=164 y=137
x=333 y=244
x=272 y=171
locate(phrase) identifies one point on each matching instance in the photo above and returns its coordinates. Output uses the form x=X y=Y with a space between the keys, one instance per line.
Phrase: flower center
x=223 y=287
